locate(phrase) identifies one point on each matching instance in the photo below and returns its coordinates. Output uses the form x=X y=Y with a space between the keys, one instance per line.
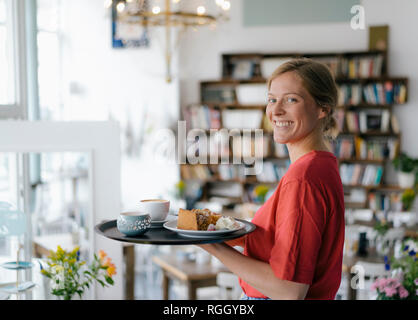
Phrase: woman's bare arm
x=257 y=273
x=236 y=242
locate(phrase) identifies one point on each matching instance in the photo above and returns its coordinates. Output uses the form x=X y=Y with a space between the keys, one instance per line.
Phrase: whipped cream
x=226 y=223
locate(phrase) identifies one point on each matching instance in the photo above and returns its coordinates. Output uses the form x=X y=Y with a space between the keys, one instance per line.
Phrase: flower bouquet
x=70 y=276
x=403 y=284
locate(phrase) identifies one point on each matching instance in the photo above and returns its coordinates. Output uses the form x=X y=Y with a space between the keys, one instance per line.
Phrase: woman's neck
x=311 y=142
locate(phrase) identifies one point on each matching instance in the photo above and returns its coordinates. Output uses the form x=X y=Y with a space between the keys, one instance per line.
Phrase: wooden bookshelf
x=365 y=71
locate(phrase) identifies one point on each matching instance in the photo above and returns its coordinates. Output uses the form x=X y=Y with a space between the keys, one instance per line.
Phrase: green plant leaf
x=109 y=280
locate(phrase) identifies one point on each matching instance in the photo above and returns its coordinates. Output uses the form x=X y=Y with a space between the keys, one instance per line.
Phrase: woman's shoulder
x=313 y=168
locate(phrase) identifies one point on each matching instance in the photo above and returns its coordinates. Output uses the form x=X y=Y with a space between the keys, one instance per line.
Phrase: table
x=43 y=244
x=193 y=274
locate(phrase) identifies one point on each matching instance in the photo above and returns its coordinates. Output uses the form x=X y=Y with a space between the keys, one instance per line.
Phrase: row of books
x=349 y=94
x=365 y=149
x=196 y=172
x=354 y=67
x=379 y=201
x=365 y=66
x=368 y=120
x=202 y=117
x=373 y=93
x=243 y=69
x=362 y=66
x=376 y=93
x=384 y=93
x=376 y=149
x=359 y=174
x=343 y=148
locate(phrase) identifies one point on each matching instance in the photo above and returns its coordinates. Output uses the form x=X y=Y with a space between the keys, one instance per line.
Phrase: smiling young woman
x=296 y=250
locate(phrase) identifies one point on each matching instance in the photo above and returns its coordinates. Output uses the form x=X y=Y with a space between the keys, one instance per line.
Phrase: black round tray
x=163 y=236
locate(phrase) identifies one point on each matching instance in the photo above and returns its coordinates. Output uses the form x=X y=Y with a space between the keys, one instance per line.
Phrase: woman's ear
x=324 y=111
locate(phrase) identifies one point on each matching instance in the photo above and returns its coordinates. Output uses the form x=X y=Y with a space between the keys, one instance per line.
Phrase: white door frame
x=102 y=141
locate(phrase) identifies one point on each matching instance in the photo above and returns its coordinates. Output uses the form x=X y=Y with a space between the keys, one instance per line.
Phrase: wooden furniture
x=43 y=244
x=365 y=93
x=193 y=274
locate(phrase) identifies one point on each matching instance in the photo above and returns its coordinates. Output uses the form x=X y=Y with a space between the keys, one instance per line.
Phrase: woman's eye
x=290 y=100
x=271 y=100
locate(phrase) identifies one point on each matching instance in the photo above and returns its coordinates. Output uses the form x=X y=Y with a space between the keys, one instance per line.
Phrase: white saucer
x=157 y=224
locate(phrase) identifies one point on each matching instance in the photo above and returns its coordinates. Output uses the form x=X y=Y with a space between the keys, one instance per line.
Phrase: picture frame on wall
x=128 y=34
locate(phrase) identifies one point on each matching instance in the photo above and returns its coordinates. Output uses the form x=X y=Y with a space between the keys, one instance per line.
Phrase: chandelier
x=168 y=14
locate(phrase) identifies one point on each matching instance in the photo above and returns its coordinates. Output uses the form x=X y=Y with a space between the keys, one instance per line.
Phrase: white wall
x=125 y=83
x=201 y=51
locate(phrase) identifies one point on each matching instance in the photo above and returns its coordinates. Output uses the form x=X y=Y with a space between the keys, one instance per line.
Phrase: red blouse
x=300 y=228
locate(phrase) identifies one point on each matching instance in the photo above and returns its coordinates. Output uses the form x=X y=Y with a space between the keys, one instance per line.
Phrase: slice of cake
x=196 y=219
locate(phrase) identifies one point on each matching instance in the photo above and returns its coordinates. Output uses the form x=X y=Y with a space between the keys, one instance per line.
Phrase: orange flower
x=111 y=270
x=102 y=255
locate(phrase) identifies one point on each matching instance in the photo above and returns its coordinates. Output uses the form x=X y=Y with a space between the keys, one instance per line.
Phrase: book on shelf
x=360 y=174
x=381 y=201
x=243 y=69
x=198 y=172
x=384 y=93
x=368 y=120
x=349 y=94
x=377 y=93
x=377 y=148
x=366 y=66
x=332 y=62
x=340 y=119
x=218 y=93
x=343 y=147
x=202 y=117
x=394 y=124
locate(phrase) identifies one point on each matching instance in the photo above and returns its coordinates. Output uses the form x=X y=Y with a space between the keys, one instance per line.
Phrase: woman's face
x=292 y=111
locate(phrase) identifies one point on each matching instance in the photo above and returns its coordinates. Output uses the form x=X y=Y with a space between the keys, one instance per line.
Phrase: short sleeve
x=300 y=221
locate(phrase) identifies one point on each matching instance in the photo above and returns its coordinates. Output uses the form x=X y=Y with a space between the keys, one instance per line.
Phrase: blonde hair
x=320 y=83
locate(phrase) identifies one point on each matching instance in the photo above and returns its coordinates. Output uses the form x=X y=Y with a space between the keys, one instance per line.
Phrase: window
x=13 y=95
x=7 y=79
x=49 y=59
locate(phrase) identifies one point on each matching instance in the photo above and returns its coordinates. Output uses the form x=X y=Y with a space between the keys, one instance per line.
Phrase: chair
x=372 y=271
x=229 y=288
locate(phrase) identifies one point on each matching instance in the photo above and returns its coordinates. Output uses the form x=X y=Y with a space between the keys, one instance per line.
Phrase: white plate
x=172 y=225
